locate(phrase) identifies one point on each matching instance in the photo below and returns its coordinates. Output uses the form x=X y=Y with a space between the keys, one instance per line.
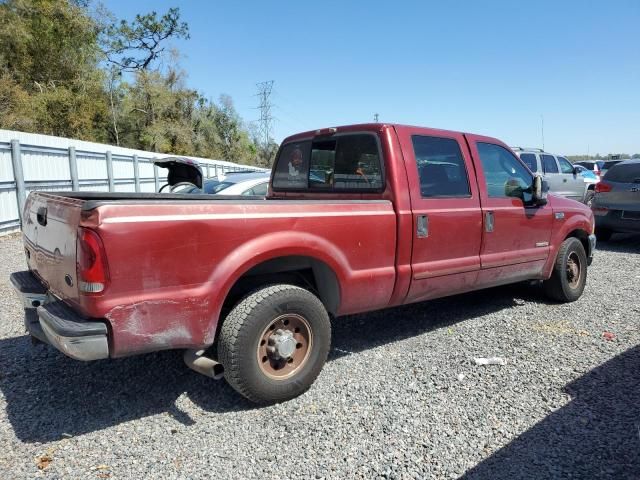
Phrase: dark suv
x=616 y=204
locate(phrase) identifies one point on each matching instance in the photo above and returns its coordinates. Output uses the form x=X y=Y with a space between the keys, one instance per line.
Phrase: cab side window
x=441 y=167
x=549 y=164
x=504 y=174
x=565 y=166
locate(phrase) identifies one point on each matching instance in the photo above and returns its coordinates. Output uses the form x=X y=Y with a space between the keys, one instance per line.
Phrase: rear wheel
x=569 y=275
x=274 y=343
x=588 y=198
x=603 y=234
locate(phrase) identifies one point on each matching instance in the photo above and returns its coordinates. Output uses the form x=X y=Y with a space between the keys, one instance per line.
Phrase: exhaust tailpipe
x=196 y=361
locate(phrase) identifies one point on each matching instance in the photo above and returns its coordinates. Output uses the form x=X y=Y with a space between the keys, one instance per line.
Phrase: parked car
x=587 y=173
x=236 y=183
x=563 y=178
x=594 y=165
x=607 y=165
x=357 y=218
x=616 y=204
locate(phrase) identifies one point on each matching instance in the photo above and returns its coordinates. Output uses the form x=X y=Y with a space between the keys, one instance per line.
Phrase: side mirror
x=539 y=189
x=576 y=170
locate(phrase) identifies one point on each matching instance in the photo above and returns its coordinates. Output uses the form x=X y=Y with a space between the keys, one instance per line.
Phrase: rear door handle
x=422 y=226
x=488 y=222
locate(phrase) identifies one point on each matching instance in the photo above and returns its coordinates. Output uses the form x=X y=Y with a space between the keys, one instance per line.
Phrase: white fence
x=41 y=162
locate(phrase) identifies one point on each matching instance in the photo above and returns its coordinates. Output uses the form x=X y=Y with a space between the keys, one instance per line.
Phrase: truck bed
x=173 y=258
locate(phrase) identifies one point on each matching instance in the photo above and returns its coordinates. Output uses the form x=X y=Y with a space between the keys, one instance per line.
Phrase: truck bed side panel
x=172 y=265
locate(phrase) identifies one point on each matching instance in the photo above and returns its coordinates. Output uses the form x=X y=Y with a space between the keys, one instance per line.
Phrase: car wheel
x=274 y=343
x=569 y=275
x=603 y=234
x=588 y=198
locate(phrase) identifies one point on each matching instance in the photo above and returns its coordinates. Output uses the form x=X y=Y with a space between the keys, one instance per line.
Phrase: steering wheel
x=173 y=188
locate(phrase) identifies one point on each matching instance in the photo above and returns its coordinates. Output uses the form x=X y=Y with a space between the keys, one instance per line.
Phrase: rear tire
x=588 y=198
x=258 y=336
x=603 y=234
x=569 y=275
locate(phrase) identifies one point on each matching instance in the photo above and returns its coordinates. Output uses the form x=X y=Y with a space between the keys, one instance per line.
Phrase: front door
x=516 y=234
x=574 y=183
x=447 y=220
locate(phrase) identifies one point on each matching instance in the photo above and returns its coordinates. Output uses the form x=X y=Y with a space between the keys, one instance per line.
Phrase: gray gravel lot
x=399 y=398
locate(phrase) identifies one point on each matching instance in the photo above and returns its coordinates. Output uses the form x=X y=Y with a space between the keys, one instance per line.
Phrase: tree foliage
x=65 y=72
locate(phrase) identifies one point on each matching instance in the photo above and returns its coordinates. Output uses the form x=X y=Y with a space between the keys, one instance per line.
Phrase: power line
x=266 y=119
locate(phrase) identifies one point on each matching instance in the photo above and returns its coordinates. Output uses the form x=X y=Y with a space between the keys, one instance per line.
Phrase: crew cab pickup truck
x=357 y=218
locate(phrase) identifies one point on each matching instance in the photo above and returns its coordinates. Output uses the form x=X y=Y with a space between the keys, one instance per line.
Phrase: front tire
x=274 y=343
x=569 y=275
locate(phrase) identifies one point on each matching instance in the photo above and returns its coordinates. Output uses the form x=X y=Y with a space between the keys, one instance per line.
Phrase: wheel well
x=306 y=272
x=583 y=237
x=591 y=186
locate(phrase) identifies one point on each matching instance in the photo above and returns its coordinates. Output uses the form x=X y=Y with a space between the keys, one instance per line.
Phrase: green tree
x=134 y=46
x=48 y=49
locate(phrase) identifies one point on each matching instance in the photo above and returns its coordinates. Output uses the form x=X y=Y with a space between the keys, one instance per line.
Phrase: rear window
x=530 y=161
x=440 y=167
x=549 y=164
x=608 y=165
x=624 y=173
x=342 y=162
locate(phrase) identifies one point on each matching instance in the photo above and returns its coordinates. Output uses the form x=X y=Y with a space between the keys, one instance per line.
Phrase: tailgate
x=49 y=230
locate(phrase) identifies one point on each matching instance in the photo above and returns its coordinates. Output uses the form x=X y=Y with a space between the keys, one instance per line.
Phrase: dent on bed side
x=158 y=324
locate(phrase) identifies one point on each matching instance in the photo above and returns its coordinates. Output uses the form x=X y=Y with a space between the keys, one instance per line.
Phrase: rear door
x=515 y=237
x=557 y=184
x=447 y=220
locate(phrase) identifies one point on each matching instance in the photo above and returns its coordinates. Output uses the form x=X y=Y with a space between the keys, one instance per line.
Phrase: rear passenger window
x=341 y=162
x=530 y=161
x=440 y=167
x=565 y=166
x=549 y=164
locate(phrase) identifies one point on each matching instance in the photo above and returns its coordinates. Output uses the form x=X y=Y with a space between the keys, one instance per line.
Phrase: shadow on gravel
x=597 y=435
x=49 y=395
x=621 y=243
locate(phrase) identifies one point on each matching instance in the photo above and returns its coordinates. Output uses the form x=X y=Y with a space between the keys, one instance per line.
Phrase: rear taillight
x=603 y=187
x=93 y=274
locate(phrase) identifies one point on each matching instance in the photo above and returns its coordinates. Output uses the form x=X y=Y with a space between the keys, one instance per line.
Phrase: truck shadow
x=596 y=435
x=50 y=396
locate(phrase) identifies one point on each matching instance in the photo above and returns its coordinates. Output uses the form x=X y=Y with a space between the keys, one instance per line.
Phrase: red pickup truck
x=357 y=218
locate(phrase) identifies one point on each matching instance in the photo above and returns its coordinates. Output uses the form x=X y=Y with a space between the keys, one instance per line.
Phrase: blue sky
x=489 y=67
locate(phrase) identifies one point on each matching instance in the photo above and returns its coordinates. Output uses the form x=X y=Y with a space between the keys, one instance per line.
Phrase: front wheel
x=274 y=343
x=569 y=275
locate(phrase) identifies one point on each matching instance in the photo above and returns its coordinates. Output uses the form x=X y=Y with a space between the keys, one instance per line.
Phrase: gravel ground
x=399 y=398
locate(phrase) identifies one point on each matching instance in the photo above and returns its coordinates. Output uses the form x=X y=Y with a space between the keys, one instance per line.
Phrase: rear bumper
x=53 y=322
x=614 y=221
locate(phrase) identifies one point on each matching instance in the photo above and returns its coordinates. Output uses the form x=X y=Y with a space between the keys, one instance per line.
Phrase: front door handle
x=422 y=226
x=488 y=222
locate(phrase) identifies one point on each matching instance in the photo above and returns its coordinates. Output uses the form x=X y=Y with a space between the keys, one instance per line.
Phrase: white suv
x=563 y=177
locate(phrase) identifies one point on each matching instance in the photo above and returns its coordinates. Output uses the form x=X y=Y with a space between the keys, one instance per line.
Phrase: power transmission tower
x=266 y=119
